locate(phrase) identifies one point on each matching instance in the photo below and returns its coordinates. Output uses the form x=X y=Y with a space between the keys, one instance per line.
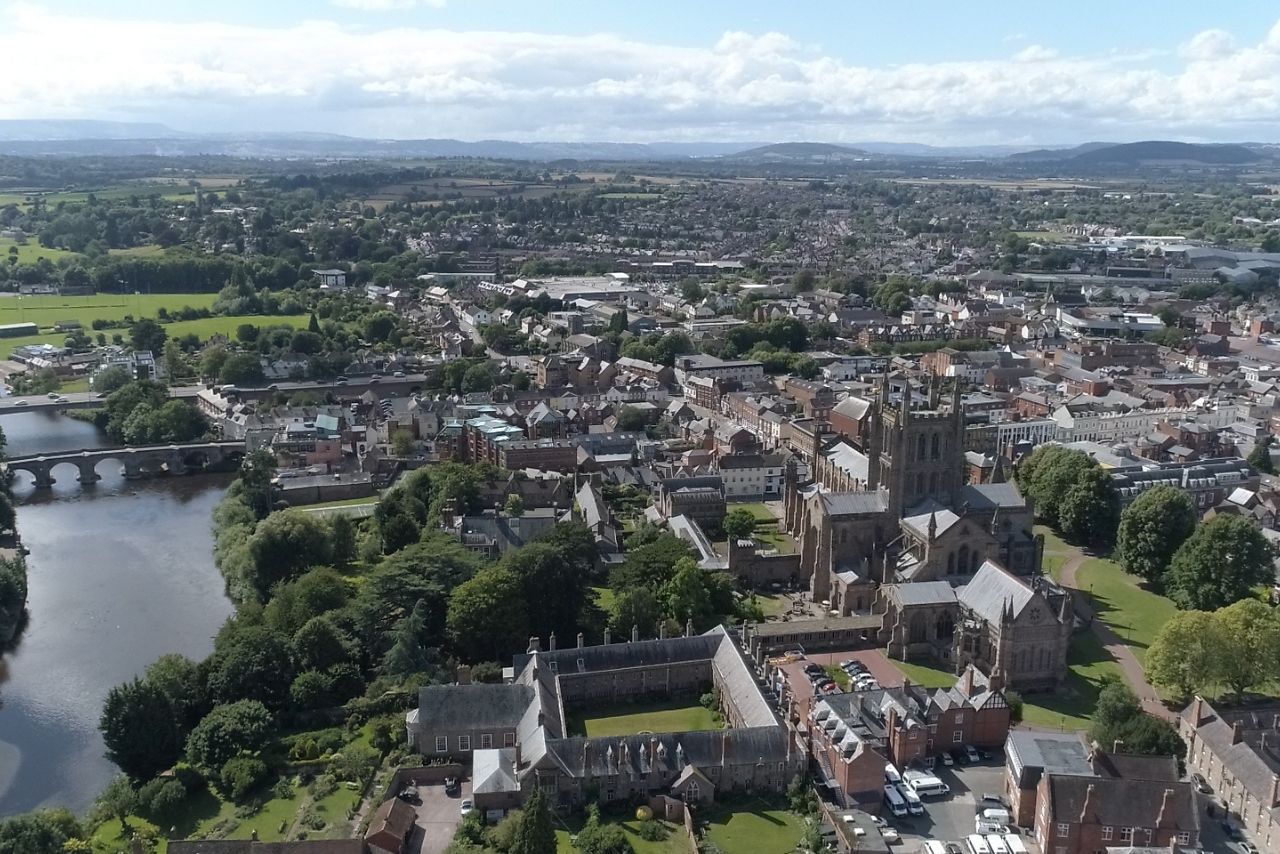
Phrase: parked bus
x=896 y=804
x=977 y=844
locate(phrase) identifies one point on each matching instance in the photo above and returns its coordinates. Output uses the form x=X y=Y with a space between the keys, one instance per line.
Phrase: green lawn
x=1056 y=551
x=1135 y=613
x=675 y=843
x=31 y=251
x=203 y=328
x=773 y=604
x=925 y=675
x=139 y=251
x=1067 y=709
x=604 y=597
x=632 y=718
x=836 y=672
x=752 y=828
x=756 y=509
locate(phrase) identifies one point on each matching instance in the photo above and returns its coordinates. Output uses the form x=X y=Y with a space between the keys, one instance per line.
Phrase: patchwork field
x=631 y=719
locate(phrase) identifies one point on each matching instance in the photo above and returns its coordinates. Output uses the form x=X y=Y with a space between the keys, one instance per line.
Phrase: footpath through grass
x=1121 y=601
x=630 y=719
x=1056 y=552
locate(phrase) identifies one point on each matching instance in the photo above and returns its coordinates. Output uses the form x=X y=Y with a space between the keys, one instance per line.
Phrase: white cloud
x=385 y=5
x=1208 y=45
x=424 y=82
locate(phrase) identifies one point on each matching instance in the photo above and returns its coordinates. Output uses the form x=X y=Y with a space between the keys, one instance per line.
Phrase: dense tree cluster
x=1118 y=717
x=1236 y=648
x=1072 y=493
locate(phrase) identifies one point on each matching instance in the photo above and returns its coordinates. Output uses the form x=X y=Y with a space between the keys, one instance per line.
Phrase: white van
x=1015 y=844
x=997 y=815
x=914 y=806
x=985 y=826
x=996 y=843
x=893 y=800
x=930 y=786
x=891 y=774
x=933 y=846
x=977 y=844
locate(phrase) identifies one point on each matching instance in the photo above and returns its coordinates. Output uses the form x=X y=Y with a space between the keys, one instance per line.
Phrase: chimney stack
x=688 y=628
x=580 y=640
x=464 y=674
x=1275 y=789
x=635 y=633
x=586 y=757
x=662 y=629
x=1197 y=711
x=1116 y=745
x=1237 y=732
x=535 y=644
x=551 y=642
x=606 y=637
x=967 y=684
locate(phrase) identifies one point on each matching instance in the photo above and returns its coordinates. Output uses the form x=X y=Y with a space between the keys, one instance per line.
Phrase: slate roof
x=987 y=496
x=493 y=771
x=1251 y=765
x=849 y=460
x=477 y=706
x=853 y=407
x=991 y=590
x=1119 y=802
x=943 y=520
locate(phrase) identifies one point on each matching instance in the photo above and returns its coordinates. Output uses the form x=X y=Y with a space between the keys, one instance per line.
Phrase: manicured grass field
x=1135 y=613
x=204 y=328
x=48 y=310
x=139 y=251
x=31 y=251
x=925 y=675
x=630 y=719
x=752 y=828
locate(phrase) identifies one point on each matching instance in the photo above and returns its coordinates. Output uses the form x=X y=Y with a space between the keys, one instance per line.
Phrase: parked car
x=1201 y=784
x=451 y=786
x=954 y=848
x=410 y=795
x=814 y=668
x=958 y=755
x=947 y=760
x=468 y=806
x=990 y=800
x=890 y=835
x=971 y=753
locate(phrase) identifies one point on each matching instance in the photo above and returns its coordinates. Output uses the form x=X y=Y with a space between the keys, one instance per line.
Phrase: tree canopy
x=1151 y=530
x=1222 y=562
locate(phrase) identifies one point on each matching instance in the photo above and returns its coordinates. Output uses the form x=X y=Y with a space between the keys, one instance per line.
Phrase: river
x=120 y=573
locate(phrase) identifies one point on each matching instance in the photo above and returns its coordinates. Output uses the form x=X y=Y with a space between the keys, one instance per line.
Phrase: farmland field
x=31 y=251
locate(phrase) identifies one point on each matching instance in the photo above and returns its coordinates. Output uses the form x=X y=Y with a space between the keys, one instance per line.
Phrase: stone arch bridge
x=137 y=461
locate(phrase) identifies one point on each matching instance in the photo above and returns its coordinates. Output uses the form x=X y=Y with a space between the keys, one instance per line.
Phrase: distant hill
x=1060 y=153
x=1148 y=152
x=800 y=152
x=1168 y=151
x=42 y=129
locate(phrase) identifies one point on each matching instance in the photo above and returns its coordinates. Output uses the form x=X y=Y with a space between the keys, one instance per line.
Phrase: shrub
x=241 y=775
x=654 y=831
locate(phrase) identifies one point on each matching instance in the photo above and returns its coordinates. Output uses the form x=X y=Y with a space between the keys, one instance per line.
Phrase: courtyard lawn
x=757 y=509
x=773 y=604
x=925 y=675
x=836 y=672
x=1134 y=612
x=753 y=827
x=633 y=718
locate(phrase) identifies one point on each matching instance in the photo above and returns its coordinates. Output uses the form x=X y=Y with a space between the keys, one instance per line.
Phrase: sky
x=932 y=71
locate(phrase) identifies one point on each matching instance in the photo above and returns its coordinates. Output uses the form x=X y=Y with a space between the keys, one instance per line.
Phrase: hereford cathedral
x=888 y=525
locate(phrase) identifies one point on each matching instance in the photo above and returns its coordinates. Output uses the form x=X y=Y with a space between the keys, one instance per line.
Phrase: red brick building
x=1083 y=815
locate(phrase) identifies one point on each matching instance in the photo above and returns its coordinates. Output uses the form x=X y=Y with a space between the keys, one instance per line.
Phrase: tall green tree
x=487 y=615
x=1260 y=456
x=1151 y=530
x=1090 y=509
x=739 y=524
x=535 y=834
x=408 y=655
x=1186 y=654
x=634 y=607
x=1048 y=474
x=1249 y=632
x=342 y=538
x=286 y=544
x=228 y=730
x=1221 y=563
x=141 y=730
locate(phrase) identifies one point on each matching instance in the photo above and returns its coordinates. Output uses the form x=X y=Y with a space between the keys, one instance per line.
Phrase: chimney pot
x=635 y=633
x=535 y=643
x=551 y=642
x=1116 y=745
x=580 y=639
x=464 y=674
x=606 y=637
x=1237 y=732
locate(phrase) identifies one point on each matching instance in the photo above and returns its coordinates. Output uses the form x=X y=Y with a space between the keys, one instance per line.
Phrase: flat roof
x=826 y=624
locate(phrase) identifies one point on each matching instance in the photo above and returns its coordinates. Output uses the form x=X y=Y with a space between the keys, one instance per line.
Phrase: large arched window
x=951 y=564
x=937 y=446
x=919 y=628
x=964 y=558
x=920 y=448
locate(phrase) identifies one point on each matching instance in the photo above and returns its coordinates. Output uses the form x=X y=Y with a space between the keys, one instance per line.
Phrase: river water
x=120 y=573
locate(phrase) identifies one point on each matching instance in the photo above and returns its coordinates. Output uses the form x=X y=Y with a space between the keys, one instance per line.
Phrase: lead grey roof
x=855 y=503
x=991 y=589
x=1054 y=753
x=924 y=593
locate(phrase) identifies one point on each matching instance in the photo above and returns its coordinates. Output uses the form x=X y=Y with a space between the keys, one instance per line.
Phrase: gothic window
x=920 y=448
x=975 y=560
x=919 y=629
x=951 y=564
x=937 y=450
x=933 y=483
x=964 y=558
x=945 y=626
